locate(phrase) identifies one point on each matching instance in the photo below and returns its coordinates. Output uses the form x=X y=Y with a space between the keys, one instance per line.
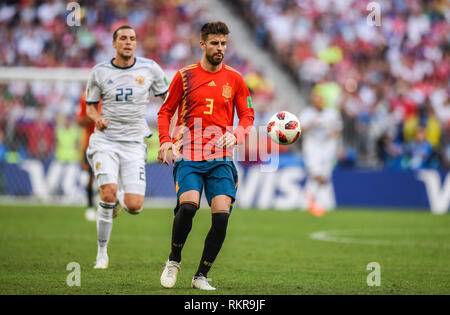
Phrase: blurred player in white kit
x=117 y=151
x=321 y=128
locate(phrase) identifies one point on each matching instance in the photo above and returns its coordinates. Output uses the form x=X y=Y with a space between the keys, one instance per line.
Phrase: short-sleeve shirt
x=125 y=92
x=320 y=124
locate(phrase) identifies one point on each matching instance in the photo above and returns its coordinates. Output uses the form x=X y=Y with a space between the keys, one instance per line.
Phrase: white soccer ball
x=284 y=128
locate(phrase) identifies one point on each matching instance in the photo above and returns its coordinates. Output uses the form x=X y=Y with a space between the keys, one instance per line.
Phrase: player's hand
x=101 y=123
x=227 y=140
x=166 y=149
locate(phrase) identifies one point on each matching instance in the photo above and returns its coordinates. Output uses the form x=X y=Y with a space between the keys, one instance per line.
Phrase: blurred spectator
x=444 y=148
x=35 y=34
x=3 y=148
x=419 y=153
x=389 y=152
x=387 y=80
x=68 y=136
x=41 y=137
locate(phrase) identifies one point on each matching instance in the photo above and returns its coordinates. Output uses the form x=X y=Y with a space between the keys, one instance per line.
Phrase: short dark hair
x=123 y=27
x=213 y=28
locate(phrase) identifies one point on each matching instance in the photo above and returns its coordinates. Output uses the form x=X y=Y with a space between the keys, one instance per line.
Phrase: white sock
x=104 y=225
x=313 y=187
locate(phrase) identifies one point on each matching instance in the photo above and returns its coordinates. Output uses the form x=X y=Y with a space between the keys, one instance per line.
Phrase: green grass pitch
x=265 y=253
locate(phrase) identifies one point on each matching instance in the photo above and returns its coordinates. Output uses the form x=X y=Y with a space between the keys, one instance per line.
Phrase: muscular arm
x=168 y=109
x=245 y=113
x=167 y=119
x=92 y=112
x=83 y=121
x=93 y=98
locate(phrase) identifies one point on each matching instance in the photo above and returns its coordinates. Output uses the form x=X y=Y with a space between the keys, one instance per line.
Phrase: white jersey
x=125 y=92
x=319 y=125
x=319 y=144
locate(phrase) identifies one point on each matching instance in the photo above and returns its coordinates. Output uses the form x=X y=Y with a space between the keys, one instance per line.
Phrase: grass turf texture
x=265 y=252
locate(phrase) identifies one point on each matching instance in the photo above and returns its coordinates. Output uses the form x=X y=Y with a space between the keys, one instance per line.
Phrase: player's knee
x=320 y=179
x=110 y=198
x=134 y=206
x=108 y=194
x=221 y=202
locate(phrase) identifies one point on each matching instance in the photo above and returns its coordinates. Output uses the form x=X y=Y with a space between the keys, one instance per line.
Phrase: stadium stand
x=35 y=34
x=390 y=83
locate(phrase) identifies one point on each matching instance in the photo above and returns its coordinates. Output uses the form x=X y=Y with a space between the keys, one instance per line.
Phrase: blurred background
x=389 y=83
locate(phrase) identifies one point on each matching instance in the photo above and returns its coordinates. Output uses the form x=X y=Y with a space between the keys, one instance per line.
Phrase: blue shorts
x=216 y=177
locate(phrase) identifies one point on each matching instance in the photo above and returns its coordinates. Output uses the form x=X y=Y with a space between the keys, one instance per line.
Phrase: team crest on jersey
x=140 y=80
x=226 y=91
x=97 y=166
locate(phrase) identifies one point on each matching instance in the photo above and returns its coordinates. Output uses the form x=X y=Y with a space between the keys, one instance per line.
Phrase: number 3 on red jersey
x=209 y=104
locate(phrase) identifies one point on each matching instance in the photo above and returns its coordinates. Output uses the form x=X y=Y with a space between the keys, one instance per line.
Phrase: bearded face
x=214 y=48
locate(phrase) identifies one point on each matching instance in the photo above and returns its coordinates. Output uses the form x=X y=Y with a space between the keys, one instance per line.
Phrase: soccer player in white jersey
x=117 y=151
x=322 y=128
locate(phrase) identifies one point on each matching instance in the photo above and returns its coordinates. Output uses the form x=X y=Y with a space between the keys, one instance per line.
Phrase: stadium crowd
x=34 y=115
x=389 y=82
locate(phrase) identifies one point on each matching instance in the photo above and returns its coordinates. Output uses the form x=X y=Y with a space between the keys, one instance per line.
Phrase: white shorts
x=118 y=162
x=320 y=159
x=317 y=166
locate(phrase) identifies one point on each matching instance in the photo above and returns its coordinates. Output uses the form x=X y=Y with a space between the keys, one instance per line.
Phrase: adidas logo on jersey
x=211 y=83
x=110 y=81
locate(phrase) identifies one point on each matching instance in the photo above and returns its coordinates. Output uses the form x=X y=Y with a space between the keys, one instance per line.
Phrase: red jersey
x=206 y=103
x=89 y=129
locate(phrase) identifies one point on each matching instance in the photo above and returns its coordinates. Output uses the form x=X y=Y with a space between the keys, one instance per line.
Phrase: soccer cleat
x=117 y=209
x=90 y=215
x=169 y=274
x=317 y=210
x=201 y=283
x=313 y=207
x=102 y=262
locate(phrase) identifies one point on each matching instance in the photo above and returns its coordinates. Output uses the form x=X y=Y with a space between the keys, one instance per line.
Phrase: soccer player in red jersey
x=206 y=95
x=88 y=128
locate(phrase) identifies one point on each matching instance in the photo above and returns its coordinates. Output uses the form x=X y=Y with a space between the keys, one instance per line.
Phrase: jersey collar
x=123 y=68
x=200 y=66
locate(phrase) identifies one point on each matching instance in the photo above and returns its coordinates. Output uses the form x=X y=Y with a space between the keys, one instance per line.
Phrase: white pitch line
x=335 y=236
